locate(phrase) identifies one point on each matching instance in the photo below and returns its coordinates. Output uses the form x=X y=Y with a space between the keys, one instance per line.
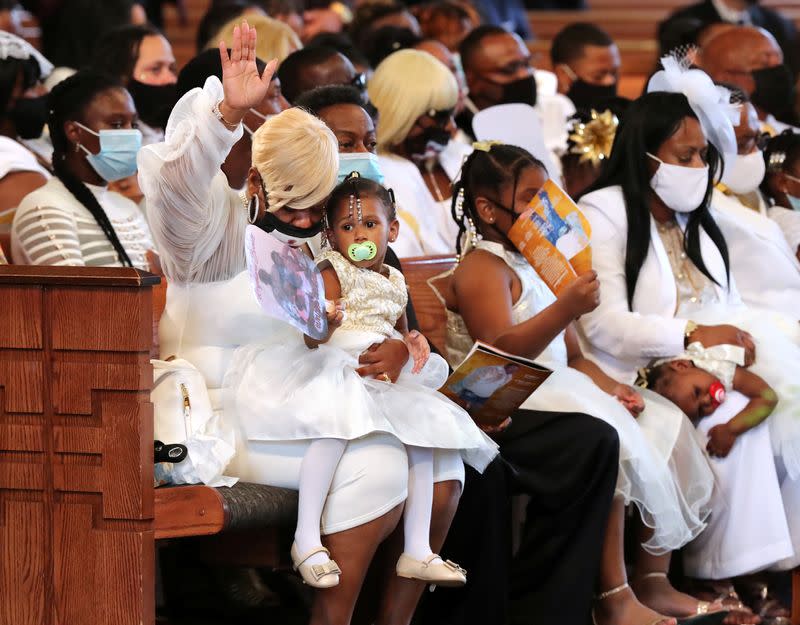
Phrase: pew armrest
x=198 y=510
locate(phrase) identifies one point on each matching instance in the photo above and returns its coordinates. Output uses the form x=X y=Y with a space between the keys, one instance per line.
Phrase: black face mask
x=29 y=116
x=430 y=143
x=774 y=91
x=153 y=102
x=522 y=91
x=269 y=223
x=586 y=96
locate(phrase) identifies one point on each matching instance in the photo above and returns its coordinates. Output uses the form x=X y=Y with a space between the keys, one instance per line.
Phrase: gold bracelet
x=218 y=115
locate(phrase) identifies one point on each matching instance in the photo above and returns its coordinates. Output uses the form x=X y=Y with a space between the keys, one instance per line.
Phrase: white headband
x=13 y=47
x=711 y=103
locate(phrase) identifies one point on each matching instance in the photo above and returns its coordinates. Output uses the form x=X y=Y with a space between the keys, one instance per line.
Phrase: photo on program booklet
x=490 y=384
x=286 y=283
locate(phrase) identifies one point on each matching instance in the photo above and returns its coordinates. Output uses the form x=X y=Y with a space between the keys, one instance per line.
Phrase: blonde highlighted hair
x=405 y=86
x=276 y=40
x=297 y=156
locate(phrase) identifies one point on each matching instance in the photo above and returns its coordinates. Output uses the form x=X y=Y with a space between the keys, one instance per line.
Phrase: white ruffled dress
x=662 y=467
x=328 y=399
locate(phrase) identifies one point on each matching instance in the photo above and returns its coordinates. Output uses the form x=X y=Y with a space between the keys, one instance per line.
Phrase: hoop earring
x=253 y=209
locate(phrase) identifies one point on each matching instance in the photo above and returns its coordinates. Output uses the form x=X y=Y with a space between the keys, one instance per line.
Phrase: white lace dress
x=331 y=400
x=662 y=469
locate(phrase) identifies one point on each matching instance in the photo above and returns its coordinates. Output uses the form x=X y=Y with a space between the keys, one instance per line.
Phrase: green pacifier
x=362 y=251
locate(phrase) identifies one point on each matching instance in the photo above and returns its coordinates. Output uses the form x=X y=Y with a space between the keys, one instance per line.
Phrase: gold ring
x=385 y=377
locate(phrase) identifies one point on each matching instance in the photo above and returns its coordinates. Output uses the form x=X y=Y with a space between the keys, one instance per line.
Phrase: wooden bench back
x=5 y=244
x=430 y=311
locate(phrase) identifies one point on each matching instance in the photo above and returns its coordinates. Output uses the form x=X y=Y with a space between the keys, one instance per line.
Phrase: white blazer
x=621 y=340
x=765 y=267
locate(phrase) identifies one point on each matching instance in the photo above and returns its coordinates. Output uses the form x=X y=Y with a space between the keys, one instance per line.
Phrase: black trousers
x=567 y=464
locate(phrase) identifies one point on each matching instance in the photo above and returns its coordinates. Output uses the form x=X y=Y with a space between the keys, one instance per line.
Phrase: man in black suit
x=747 y=13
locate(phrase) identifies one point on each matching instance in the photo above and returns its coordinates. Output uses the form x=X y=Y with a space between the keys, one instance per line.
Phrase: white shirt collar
x=732 y=16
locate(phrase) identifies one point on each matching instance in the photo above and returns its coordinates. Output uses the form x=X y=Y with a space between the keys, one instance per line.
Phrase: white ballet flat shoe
x=316 y=575
x=444 y=573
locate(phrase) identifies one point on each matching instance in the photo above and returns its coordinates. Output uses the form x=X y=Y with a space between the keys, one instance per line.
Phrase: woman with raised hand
x=199 y=222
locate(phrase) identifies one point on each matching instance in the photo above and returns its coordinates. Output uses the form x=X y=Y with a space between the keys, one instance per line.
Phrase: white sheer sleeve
x=196 y=219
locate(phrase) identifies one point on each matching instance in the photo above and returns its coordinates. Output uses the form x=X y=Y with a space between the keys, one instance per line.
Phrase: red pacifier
x=717 y=392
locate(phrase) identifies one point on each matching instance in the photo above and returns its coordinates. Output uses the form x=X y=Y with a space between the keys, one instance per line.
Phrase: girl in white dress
x=494 y=295
x=337 y=405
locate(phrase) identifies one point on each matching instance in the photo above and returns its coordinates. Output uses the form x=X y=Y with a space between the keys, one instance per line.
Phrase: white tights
x=316 y=473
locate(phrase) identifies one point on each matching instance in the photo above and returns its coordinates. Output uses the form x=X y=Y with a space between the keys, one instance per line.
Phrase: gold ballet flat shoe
x=444 y=573
x=316 y=575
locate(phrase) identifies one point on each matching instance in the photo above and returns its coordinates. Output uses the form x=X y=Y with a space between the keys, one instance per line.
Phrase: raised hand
x=243 y=87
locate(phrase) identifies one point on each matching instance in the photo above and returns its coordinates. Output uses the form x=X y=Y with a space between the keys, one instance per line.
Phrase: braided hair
x=354 y=186
x=494 y=168
x=68 y=101
x=781 y=152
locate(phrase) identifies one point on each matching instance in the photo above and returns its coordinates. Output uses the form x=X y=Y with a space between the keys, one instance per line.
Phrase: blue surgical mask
x=118 y=149
x=365 y=163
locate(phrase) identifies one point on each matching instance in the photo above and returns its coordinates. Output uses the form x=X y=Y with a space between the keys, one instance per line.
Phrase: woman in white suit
x=763 y=261
x=665 y=279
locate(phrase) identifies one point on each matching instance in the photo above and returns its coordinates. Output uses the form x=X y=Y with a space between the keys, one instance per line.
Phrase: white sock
x=417 y=515
x=316 y=474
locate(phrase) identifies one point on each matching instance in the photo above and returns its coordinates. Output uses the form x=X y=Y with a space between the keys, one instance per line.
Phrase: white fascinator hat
x=711 y=103
x=13 y=47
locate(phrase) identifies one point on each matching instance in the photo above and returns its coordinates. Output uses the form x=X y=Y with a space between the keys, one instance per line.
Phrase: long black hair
x=648 y=122
x=501 y=165
x=117 y=51
x=68 y=101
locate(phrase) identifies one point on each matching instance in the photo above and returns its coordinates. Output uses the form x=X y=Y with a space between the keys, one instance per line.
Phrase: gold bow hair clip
x=485 y=146
x=592 y=140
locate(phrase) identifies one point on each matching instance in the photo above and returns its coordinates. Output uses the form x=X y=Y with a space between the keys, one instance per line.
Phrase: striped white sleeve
x=45 y=235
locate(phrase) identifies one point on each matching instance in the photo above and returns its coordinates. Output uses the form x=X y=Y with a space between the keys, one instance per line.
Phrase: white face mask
x=745 y=173
x=681 y=188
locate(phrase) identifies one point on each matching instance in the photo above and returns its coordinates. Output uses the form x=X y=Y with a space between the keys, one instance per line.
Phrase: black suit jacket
x=781 y=28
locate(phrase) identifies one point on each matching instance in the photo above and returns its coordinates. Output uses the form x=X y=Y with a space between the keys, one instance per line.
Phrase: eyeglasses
x=359 y=81
x=758 y=140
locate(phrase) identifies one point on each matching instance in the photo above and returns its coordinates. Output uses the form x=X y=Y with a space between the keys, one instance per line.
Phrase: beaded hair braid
x=491 y=166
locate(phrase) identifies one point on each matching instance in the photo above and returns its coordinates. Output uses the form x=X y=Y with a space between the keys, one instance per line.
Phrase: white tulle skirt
x=777 y=361
x=288 y=392
x=662 y=467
